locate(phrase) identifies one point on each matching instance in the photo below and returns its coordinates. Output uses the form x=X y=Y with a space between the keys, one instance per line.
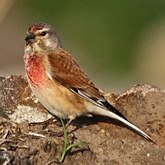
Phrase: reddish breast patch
x=35 y=70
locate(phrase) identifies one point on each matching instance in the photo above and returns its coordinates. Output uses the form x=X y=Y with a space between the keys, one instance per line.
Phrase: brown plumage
x=68 y=73
x=66 y=70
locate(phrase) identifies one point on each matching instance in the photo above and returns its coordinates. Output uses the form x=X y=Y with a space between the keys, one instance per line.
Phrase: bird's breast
x=35 y=70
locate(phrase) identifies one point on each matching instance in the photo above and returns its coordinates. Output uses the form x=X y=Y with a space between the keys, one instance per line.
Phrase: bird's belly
x=60 y=101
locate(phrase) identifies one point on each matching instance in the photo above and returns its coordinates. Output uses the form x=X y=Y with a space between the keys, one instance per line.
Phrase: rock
x=109 y=142
x=18 y=103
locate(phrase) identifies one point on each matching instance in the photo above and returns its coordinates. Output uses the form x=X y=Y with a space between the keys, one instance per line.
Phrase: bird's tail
x=108 y=113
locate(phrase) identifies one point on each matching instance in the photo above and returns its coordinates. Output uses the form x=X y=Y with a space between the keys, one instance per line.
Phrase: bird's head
x=41 y=37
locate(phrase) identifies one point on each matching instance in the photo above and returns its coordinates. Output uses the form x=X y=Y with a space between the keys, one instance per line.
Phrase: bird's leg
x=61 y=133
x=68 y=123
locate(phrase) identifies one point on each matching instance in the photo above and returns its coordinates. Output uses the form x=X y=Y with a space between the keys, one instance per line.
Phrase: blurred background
x=118 y=43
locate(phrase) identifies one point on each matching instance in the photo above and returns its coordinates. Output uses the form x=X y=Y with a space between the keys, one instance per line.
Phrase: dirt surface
x=29 y=135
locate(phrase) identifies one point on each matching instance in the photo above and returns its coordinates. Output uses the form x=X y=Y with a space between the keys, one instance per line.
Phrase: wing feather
x=67 y=72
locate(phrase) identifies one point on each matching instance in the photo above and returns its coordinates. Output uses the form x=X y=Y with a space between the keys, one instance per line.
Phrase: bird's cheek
x=48 y=43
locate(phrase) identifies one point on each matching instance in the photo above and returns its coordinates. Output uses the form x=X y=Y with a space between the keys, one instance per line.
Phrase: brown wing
x=66 y=71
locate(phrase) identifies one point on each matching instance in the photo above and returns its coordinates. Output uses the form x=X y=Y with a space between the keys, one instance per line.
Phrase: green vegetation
x=67 y=146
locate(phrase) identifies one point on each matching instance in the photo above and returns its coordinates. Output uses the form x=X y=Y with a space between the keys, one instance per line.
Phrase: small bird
x=59 y=83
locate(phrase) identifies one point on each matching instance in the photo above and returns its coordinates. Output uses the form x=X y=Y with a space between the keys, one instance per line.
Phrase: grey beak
x=30 y=37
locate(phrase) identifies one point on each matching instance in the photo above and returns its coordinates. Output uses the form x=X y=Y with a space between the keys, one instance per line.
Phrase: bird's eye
x=43 y=33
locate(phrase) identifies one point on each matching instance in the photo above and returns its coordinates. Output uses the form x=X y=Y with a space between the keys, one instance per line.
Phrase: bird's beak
x=30 y=37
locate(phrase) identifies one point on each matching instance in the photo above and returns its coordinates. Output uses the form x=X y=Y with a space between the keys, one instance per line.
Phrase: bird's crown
x=38 y=26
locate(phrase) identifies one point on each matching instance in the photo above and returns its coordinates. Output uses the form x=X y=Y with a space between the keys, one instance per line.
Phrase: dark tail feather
x=115 y=114
x=113 y=109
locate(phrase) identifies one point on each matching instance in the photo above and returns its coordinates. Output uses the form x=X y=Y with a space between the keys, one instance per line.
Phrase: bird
x=59 y=83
